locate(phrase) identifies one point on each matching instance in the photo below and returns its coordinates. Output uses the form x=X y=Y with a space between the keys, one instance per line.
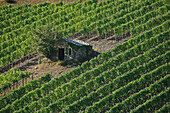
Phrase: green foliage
x=12 y=76
x=119 y=80
x=16 y=94
x=47 y=40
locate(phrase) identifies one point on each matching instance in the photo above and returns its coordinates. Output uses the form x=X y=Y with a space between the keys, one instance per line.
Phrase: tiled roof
x=77 y=42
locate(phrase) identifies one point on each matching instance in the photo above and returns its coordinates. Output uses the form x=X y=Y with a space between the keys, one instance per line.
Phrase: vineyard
x=12 y=76
x=133 y=76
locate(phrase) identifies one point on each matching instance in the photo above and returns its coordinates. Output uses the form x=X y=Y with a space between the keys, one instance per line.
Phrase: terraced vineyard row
x=67 y=88
x=12 y=76
x=18 y=93
x=132 y=77
x=77 y=17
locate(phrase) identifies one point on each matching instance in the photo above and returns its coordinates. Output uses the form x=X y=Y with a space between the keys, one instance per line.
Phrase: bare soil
x=100 y=44
x=54 y=68
x=105 y=42
x=47 y=66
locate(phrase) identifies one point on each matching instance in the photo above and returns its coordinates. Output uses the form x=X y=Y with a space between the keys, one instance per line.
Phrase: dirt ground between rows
x=100 y=45
x=56 y=68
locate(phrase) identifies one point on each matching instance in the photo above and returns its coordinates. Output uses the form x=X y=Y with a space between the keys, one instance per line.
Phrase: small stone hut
x=74 y=49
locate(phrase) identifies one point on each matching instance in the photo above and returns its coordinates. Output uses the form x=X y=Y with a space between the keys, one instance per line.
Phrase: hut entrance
x=61 y=54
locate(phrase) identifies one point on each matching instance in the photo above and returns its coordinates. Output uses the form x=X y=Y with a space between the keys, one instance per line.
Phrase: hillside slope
x=34 y=2
x=131 y=77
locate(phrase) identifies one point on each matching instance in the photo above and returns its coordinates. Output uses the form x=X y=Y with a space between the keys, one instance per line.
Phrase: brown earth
x=47 y=66
x=100 y=44
x=38 y=70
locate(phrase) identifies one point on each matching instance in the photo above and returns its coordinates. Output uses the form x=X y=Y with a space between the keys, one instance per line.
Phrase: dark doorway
x=61 y=54
x=69 y=51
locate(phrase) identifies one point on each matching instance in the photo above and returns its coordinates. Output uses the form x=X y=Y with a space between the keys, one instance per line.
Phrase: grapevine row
x=12 y=76
x=78 y=93
x=150 y=105
x=164 y=109
x=69 y=87
x=46 y=89
x=118 y=79
x=118 y=95
x=18 y=93
x=103 y=56
x=3 y=63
